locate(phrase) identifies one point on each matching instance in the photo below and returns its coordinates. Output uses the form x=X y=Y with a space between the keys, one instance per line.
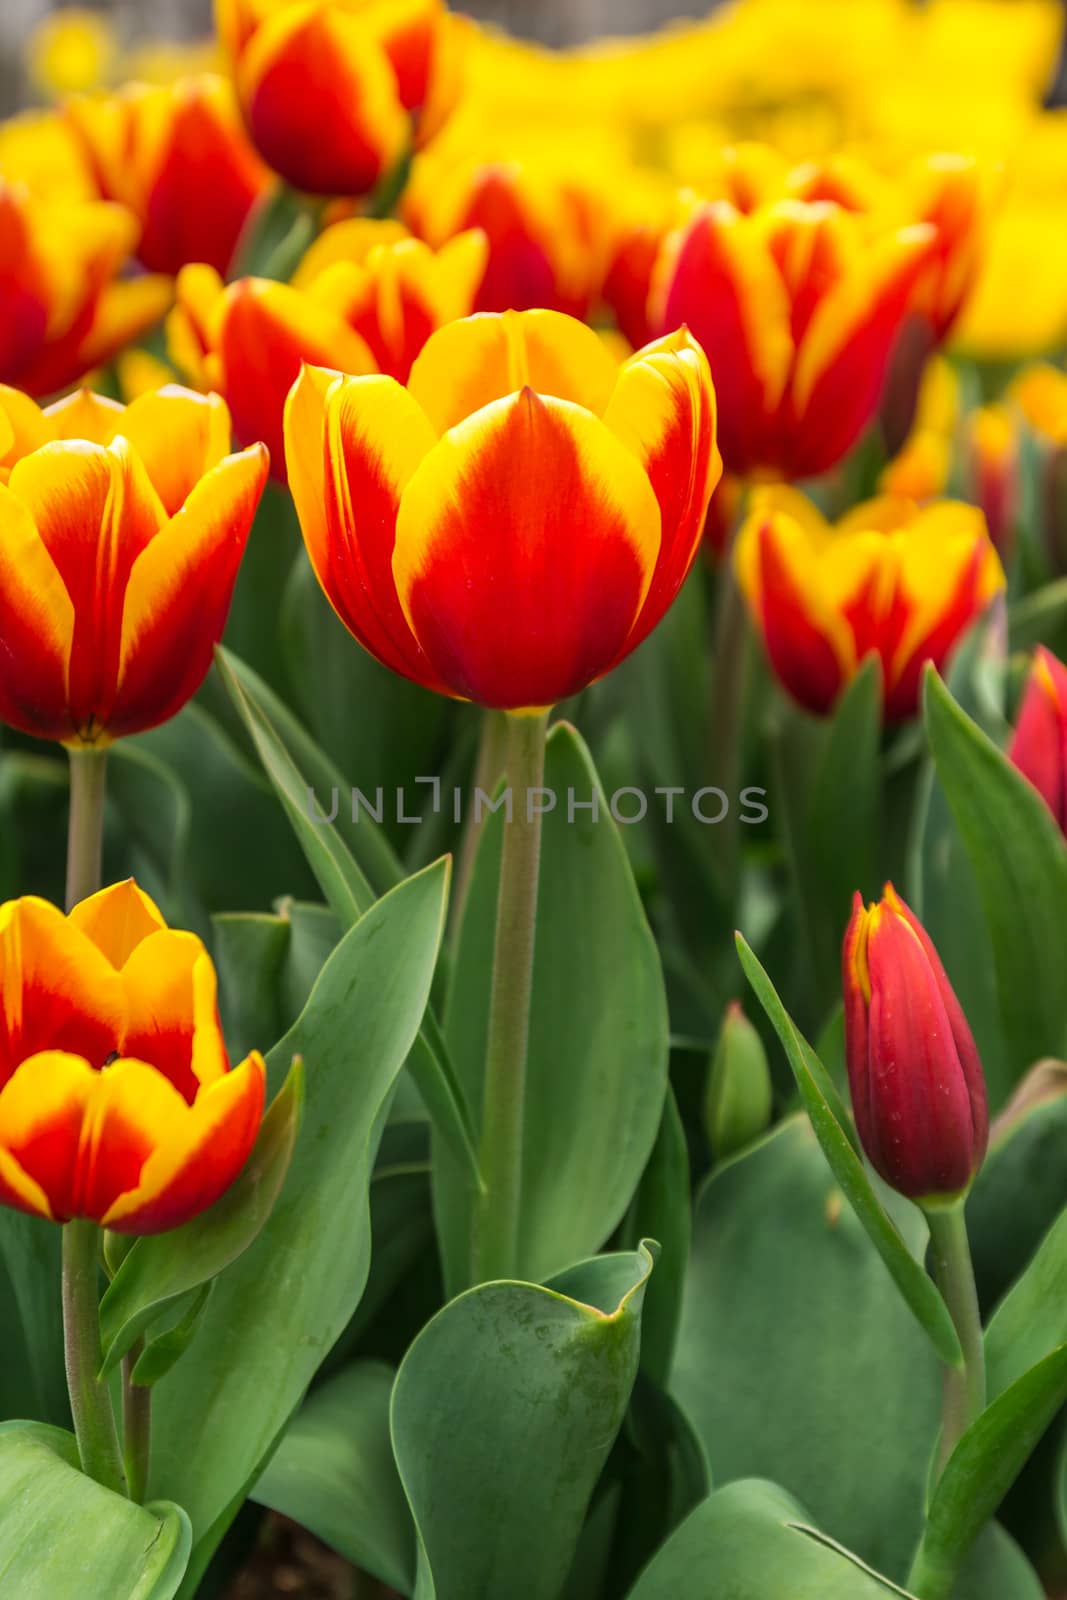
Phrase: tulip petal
x=58 y=991
x=372 y=437
x=179 y=435
x=203 y=1152
x=466 y=364
x=179 y=594
x=172 y=1017
x=36 y=628
x=19 y=1190
x=1039 y=744
x=518 y=598
x=663 y=410
x=26 y=427
x=117 y=919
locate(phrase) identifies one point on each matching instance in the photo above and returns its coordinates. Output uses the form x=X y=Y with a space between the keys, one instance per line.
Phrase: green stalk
x=965 y=1392
x=497 y=1225
x=90 y=1401
x=136 y=1425
x=85 y=836
x=492 y=745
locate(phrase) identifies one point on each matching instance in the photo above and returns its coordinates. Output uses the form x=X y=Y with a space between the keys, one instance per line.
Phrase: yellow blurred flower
x=72 y=50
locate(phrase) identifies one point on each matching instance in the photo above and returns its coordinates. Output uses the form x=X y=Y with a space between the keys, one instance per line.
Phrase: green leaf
x=504 y=1411
x=982 y=1469
x=996 y=1569
x=254 y=621
x=344 y=882
x=163 y=1266
x=790 y=1326
x=334 y=1473
x=277 y=1310
x=752 y=1541
x=63 y=1537
x=1040 y=618
x=661 y=1211
x=267 y=965
x=32 y=1374
x=839 y=1147
x=164 y=1349
x=1031 y=1321
x=597 y=1067
x=1020 y=864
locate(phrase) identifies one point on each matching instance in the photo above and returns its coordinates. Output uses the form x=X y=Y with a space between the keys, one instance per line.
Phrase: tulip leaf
x=163 y=1266
x=661 y=1211
x=504 y=1411
x=982 y=1469
x=267 y=965
x=64 y=1537
x=752 y=1541
x=1020 y=865
x=1031 y=1320
x=166 y=1347
x=278 y=1309
x=32 y=1376
x=790 y=1325
x=839 y=1147
x=334 y=1473
x=598 y=1048
x=343 y=881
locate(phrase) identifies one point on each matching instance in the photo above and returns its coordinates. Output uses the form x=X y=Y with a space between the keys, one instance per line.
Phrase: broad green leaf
x=267 y=965
x=32 y=1375
x=161 y=1267
x=277 y=1310
x=63 y=1537
x=344 y=882
x=1020 y=865
x=982 y=1469
x=661 y=1211
x=180 y=1323
x=504 y=1411
x=753 y=1541
x=839 y=1146
x=996 y=1569
x=597 y=1066
x=790 y=1326
x=1031 y=1321
x=334 y=1473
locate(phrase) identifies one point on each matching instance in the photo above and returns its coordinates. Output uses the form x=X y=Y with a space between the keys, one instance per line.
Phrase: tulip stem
x=489 y=764
x=497 y=1225
x=136 y=1424
x=965 y=1392
x=85 y=836
x=90 y=1399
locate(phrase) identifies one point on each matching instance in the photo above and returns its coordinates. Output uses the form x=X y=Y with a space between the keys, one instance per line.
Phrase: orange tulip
x=797 y=305
x=548 y=234
x=334 y=91
x=62 y=310
x=516 y=520
x=117 y=1100
x=178 y=156
x=123 y=531
x=363 y=300
x=902 y=581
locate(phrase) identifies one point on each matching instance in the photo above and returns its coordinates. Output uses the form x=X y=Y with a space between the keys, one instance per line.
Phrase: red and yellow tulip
x=63 y=309
x=123 y=531
x=117 y=1100
x=900 y=580
x=178 y=157
x=797 y=305
x=363 y=300
x=992 y=465
x=516 y=520
x=335 y=91
x=1039 y=744
x=918 y=1091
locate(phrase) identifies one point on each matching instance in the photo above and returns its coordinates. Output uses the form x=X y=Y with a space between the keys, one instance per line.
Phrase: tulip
x=123 y=531
x=918 y=1093
x=334 y=91
x=61 y=309
x=920 y=470
x=902 y=581
x=363 y=300
x=549 y=235
x=117 y=1100
x=1039 y=744
x=993 y=463
x=516 y=520
x=954 y=195
x=797 y=306
x=179 y=158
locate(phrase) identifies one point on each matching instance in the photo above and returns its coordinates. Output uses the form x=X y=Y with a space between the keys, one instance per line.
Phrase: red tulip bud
x=918 y=1093
x=1039 y=744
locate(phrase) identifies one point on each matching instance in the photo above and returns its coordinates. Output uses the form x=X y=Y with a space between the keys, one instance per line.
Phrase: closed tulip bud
x=1039 y=744
x=892 y=578
x=124 y=527
x=918 y=1093
x=117 y=1100
x=178 y=156
x=335 y=91
x=512 y=523
x=63 y=309
x=737 y=1105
